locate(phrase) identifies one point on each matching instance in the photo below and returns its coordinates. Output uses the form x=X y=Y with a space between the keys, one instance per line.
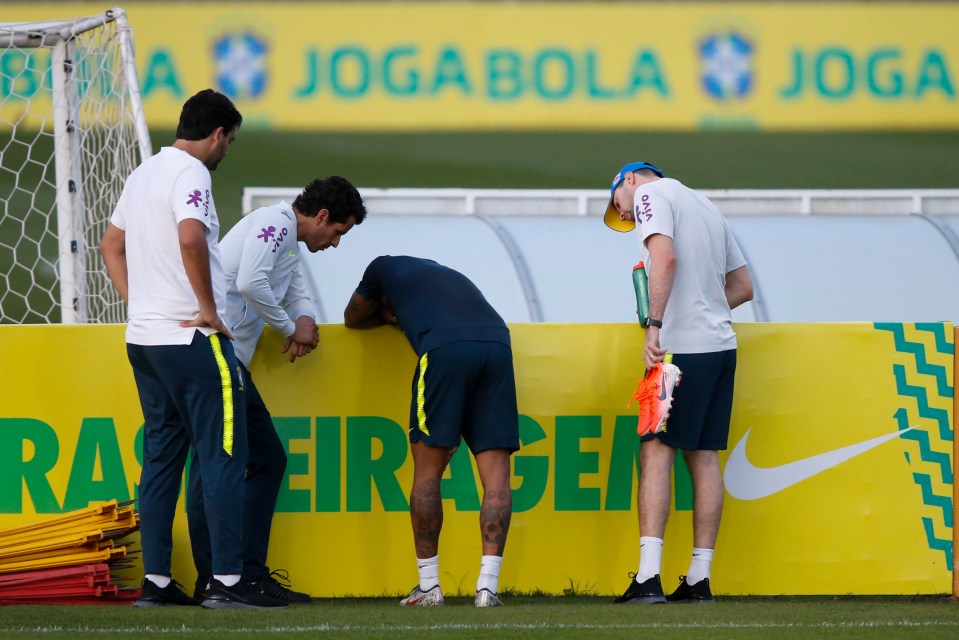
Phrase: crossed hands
x=304 y=339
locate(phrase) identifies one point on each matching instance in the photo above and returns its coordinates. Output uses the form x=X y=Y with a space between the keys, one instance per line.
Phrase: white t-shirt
x=697 y=317
x=164 y=190
x=264 y=281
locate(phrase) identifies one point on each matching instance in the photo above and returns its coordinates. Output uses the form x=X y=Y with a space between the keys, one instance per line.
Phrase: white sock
x=699 y=566
x=429 y=569
x=160 y=581
x=228 y=579
x=650 y=558
x=489 y=573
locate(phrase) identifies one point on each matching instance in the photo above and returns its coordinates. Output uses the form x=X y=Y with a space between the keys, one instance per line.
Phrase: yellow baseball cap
x=612 y=219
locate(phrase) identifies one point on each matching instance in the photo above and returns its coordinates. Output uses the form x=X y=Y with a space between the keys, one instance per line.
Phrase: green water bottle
x=641 y=285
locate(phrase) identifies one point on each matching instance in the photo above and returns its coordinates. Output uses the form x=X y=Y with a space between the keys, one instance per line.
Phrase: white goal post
x=72 y=129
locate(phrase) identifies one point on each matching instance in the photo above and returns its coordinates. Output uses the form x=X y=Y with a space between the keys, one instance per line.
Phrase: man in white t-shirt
x=266 y=286
x=160 y=249
x=697 y=274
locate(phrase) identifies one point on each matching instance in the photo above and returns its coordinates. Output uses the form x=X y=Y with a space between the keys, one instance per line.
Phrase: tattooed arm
x=362 y=313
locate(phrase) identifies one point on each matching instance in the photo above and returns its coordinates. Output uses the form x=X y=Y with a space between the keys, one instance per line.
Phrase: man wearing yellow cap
x=697 y=274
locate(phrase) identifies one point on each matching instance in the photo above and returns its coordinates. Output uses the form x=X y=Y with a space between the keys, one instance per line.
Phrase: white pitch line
x=330 y=628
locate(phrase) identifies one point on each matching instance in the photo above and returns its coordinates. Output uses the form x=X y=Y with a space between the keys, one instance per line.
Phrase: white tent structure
x=546 y=256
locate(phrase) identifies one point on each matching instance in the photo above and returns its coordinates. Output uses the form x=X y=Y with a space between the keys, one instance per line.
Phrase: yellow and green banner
x=579 y=65
x=839 y=469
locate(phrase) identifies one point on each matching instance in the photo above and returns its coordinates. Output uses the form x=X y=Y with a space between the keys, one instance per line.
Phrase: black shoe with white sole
x=646 y=592
x=271 y=586
x=698 y=593
x=239 y=596
x=171 y=595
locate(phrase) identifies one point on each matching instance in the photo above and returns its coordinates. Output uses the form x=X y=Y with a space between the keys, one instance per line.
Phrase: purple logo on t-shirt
x=195 y=198
x=645 y=210
x=271 y=234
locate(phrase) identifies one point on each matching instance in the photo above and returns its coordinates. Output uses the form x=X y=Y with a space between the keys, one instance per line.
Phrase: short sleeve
x=734 y=256
x=193 y=194
x=119 y=216
x=654 y=212
x=371 y=286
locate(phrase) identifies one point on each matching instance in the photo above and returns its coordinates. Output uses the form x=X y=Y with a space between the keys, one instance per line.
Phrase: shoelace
x=644 y=393
x=270 y=587
x=647 y=390
x=281 y=577
x=178 y=589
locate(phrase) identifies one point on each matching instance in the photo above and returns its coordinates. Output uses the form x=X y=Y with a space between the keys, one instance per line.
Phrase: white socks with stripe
x=489 y=573
x=429 y=569
x=650 y=558
x=699 y=566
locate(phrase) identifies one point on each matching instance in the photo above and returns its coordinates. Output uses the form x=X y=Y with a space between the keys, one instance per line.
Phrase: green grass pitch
x=546 y=618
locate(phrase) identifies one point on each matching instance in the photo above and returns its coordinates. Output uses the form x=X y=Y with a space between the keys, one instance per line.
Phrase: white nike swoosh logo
x=746 y=481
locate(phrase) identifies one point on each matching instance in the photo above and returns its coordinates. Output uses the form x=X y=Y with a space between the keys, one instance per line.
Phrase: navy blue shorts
x=465 y=389
x=702 y=403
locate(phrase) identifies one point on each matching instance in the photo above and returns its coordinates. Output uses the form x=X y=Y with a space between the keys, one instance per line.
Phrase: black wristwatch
x=650 y=322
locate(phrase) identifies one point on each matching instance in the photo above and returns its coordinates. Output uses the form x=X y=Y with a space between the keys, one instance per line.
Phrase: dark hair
x=204 y=113
x=335 y=194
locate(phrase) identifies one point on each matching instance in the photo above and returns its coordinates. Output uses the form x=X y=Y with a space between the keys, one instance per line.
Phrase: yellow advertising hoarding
x=605 y=66
x=839 y=470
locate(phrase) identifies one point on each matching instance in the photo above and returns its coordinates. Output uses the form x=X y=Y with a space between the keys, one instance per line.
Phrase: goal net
x=71 y=130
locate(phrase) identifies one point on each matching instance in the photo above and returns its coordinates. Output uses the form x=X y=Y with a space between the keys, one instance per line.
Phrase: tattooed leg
x=426 y=501
x=497 y=509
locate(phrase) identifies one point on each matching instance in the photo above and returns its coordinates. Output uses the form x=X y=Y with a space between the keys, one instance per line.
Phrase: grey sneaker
x=486 y=598
x=417 y=598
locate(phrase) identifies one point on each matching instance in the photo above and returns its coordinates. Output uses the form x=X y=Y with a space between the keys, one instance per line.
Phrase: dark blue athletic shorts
x=465 y=389
x=702 y=403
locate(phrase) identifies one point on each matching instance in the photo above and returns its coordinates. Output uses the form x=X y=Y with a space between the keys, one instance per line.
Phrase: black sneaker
x=648 y=592
x=239 y=596
x=698 y=593
x=272 y=587
x=171 y=595
x=201 y=589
